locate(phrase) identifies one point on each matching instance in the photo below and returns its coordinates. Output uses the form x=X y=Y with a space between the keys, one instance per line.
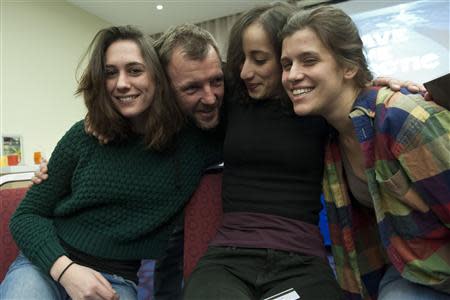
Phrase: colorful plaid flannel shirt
x=406 y=144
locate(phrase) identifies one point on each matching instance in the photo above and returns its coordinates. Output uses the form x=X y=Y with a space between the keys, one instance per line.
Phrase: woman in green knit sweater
x=83 y=232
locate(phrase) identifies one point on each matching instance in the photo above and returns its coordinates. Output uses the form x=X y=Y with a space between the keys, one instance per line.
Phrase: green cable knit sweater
x=111 y=201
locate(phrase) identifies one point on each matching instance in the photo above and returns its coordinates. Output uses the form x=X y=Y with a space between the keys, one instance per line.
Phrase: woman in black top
x=269 y=242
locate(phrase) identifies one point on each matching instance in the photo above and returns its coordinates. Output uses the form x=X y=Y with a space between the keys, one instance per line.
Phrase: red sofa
x=203 y=215
x=9 y=199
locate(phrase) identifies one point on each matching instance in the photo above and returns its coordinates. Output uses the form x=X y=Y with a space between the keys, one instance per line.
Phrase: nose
x=209 y=96
x=295 y=73
x=123 y=82
x=246 y=71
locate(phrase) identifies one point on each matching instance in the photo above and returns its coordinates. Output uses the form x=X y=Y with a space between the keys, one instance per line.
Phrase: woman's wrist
x=64 y=271
x=59 y=266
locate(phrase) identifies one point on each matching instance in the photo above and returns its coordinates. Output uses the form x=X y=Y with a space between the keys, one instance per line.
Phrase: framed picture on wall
x=12 y=149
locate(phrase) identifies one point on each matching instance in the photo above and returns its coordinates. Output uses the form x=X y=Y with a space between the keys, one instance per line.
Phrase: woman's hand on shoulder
x=91 y=131
x=40 y=175
x=396 y=84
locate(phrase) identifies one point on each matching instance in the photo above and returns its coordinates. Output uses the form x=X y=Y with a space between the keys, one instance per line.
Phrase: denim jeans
x=26 y=281
x=394 y=287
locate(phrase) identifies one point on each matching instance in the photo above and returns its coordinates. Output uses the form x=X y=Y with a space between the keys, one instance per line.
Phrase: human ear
x=350 y=72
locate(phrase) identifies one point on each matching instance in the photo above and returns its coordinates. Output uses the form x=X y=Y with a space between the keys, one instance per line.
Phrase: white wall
x=41 y=45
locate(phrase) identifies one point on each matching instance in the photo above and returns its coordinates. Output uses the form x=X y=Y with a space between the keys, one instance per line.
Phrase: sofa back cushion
x=203 y=215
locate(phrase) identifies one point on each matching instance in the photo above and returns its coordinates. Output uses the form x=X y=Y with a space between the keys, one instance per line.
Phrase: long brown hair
x=164 y=118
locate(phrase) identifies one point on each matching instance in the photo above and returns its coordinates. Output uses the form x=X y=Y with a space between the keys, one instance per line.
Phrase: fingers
x=43 y=170
x=103 y=139
x=39 y=177
x=103 y=281
x=89 y=130
x=381 y=80
x=414 y=87
x=102 y=293
x=83 y=282
x=393 y=84
x=43 y=164
x=105 y=289
x=35 y=180
x=411 y=86
x=396 y=85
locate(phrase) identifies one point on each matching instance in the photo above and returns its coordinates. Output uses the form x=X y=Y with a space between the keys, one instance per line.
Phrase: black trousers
x=168 y=276
x=239 y=273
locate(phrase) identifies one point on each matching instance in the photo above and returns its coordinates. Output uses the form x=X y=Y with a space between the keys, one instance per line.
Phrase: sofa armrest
x=9 y=200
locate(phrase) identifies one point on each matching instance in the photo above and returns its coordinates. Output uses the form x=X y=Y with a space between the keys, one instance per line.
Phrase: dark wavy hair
x=164 y=118
x=272 y=17
x=338 y=33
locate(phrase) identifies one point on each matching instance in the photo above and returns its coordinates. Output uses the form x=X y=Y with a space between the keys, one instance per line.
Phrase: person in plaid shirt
x=387 y=164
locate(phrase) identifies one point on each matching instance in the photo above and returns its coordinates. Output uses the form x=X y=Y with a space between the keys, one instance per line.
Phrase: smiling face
x=311 y=76
x=129 y=82
x=198 y=86
x=260 y=70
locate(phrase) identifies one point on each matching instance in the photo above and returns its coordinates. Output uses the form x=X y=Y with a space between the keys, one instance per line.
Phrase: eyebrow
x=301 y=55
x=254 y=52
x=306 y=53
x=131 y=64
x=188 y=84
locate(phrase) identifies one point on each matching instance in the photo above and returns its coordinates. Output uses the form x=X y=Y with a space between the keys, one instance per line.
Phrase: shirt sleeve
x=421 y=147
x=426 y=157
